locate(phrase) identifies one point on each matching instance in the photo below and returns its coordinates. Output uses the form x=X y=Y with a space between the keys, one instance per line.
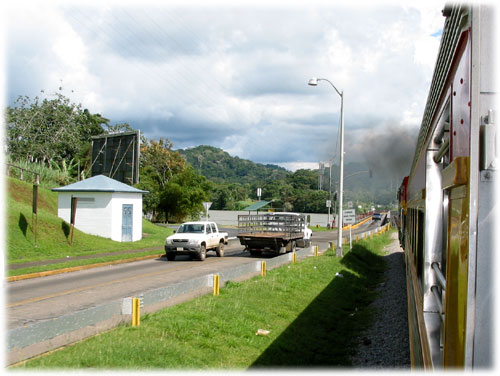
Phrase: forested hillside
x=217 y=165
x=238 y=178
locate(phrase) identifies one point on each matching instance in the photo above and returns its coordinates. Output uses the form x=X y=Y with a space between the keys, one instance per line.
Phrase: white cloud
x=234 y=77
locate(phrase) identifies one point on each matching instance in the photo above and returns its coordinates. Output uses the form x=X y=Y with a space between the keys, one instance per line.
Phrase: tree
x=183 y=194
x=150 y=201
x=162 y=161
x=50 y=130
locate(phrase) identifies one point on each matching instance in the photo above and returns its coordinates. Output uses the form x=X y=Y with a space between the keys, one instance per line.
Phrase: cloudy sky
x=235 y=77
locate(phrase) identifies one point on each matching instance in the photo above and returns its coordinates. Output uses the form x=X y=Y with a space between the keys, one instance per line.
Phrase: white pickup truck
x=195 y=239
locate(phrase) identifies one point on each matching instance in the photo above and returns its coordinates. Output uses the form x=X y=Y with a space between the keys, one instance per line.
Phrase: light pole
x=314 y=82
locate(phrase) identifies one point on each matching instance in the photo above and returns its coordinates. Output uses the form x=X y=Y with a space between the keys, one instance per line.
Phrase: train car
x=449 y=206
x=402 y=211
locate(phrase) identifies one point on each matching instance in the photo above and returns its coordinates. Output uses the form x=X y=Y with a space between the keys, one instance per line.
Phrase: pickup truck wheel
x=170 y=256
x=220 y=249
x=203 y=253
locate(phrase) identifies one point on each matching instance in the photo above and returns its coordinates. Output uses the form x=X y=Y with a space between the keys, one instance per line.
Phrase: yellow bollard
x=263 y=270
x=216 y=284
x=294 y=257
x=315 y=250
x=136 y=312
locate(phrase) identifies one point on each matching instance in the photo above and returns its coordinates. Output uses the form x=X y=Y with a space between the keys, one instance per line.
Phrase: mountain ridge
x=360 y=183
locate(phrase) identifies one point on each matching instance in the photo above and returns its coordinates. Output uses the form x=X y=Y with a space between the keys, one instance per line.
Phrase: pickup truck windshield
x=191 y=228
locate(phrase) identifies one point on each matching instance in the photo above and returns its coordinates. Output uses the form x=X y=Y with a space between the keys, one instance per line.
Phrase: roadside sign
x=328 y=203
x=349 y=220
x=349 y=204
x=349 y=216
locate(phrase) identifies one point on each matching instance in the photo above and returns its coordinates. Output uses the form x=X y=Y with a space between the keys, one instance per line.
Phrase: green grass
x=315 y=319
x=53 y=234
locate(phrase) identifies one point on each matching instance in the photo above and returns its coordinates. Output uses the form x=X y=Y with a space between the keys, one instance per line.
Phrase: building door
x=127 y=210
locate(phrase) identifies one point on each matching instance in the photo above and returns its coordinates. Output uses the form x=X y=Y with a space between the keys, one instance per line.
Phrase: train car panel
x=460 y=101
x=449 y=209
x=457 y=256
x=483 y=200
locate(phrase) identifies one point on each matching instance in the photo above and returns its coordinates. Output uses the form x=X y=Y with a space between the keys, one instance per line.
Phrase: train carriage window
x=412 y=233
x=442 y=137
x=419 y=262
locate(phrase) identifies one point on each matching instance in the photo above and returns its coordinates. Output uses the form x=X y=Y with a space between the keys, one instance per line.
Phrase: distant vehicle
x=195 y=239
x=377 y=216
x=273 y=232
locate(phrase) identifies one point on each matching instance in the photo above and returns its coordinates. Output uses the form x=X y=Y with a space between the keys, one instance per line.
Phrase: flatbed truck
x=275 y=233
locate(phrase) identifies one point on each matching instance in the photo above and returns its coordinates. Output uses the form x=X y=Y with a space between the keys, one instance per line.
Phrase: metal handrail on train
x=435 y=292
x=443 y=149
x=439 y=275
x=434 y=289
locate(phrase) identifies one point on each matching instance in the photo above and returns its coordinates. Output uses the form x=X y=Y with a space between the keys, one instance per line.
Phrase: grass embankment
x=53 y=234
x=322 y=228
x=314 y=319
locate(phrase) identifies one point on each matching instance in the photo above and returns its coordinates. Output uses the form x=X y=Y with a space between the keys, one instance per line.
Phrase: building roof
x=258 y=205
x=99 y=183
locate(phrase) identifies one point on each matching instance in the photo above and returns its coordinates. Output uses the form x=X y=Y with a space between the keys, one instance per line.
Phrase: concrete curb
x=77 y=268
x=81 y=267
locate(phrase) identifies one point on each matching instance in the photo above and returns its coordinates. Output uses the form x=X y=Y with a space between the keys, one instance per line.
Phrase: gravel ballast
x=386 y=343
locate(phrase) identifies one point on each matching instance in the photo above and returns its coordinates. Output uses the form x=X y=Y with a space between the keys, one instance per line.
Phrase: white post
x=350 y=237
x=314 y=82
x=341 y=177
x=206 y=205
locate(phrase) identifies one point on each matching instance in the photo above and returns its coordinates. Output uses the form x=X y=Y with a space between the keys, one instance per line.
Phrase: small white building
x=105 y=207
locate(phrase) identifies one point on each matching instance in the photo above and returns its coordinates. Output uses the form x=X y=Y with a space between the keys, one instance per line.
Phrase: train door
x=456 y=277
x=456 y=180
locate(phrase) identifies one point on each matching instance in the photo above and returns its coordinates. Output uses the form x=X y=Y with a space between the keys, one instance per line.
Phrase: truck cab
x=195 y=239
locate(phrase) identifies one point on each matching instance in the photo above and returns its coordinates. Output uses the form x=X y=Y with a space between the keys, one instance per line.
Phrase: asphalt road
x=50 y=297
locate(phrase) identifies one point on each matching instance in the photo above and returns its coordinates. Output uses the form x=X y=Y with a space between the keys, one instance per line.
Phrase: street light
x=314 y=82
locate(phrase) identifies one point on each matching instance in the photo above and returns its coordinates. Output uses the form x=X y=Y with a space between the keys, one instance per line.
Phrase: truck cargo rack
x=271 y=225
